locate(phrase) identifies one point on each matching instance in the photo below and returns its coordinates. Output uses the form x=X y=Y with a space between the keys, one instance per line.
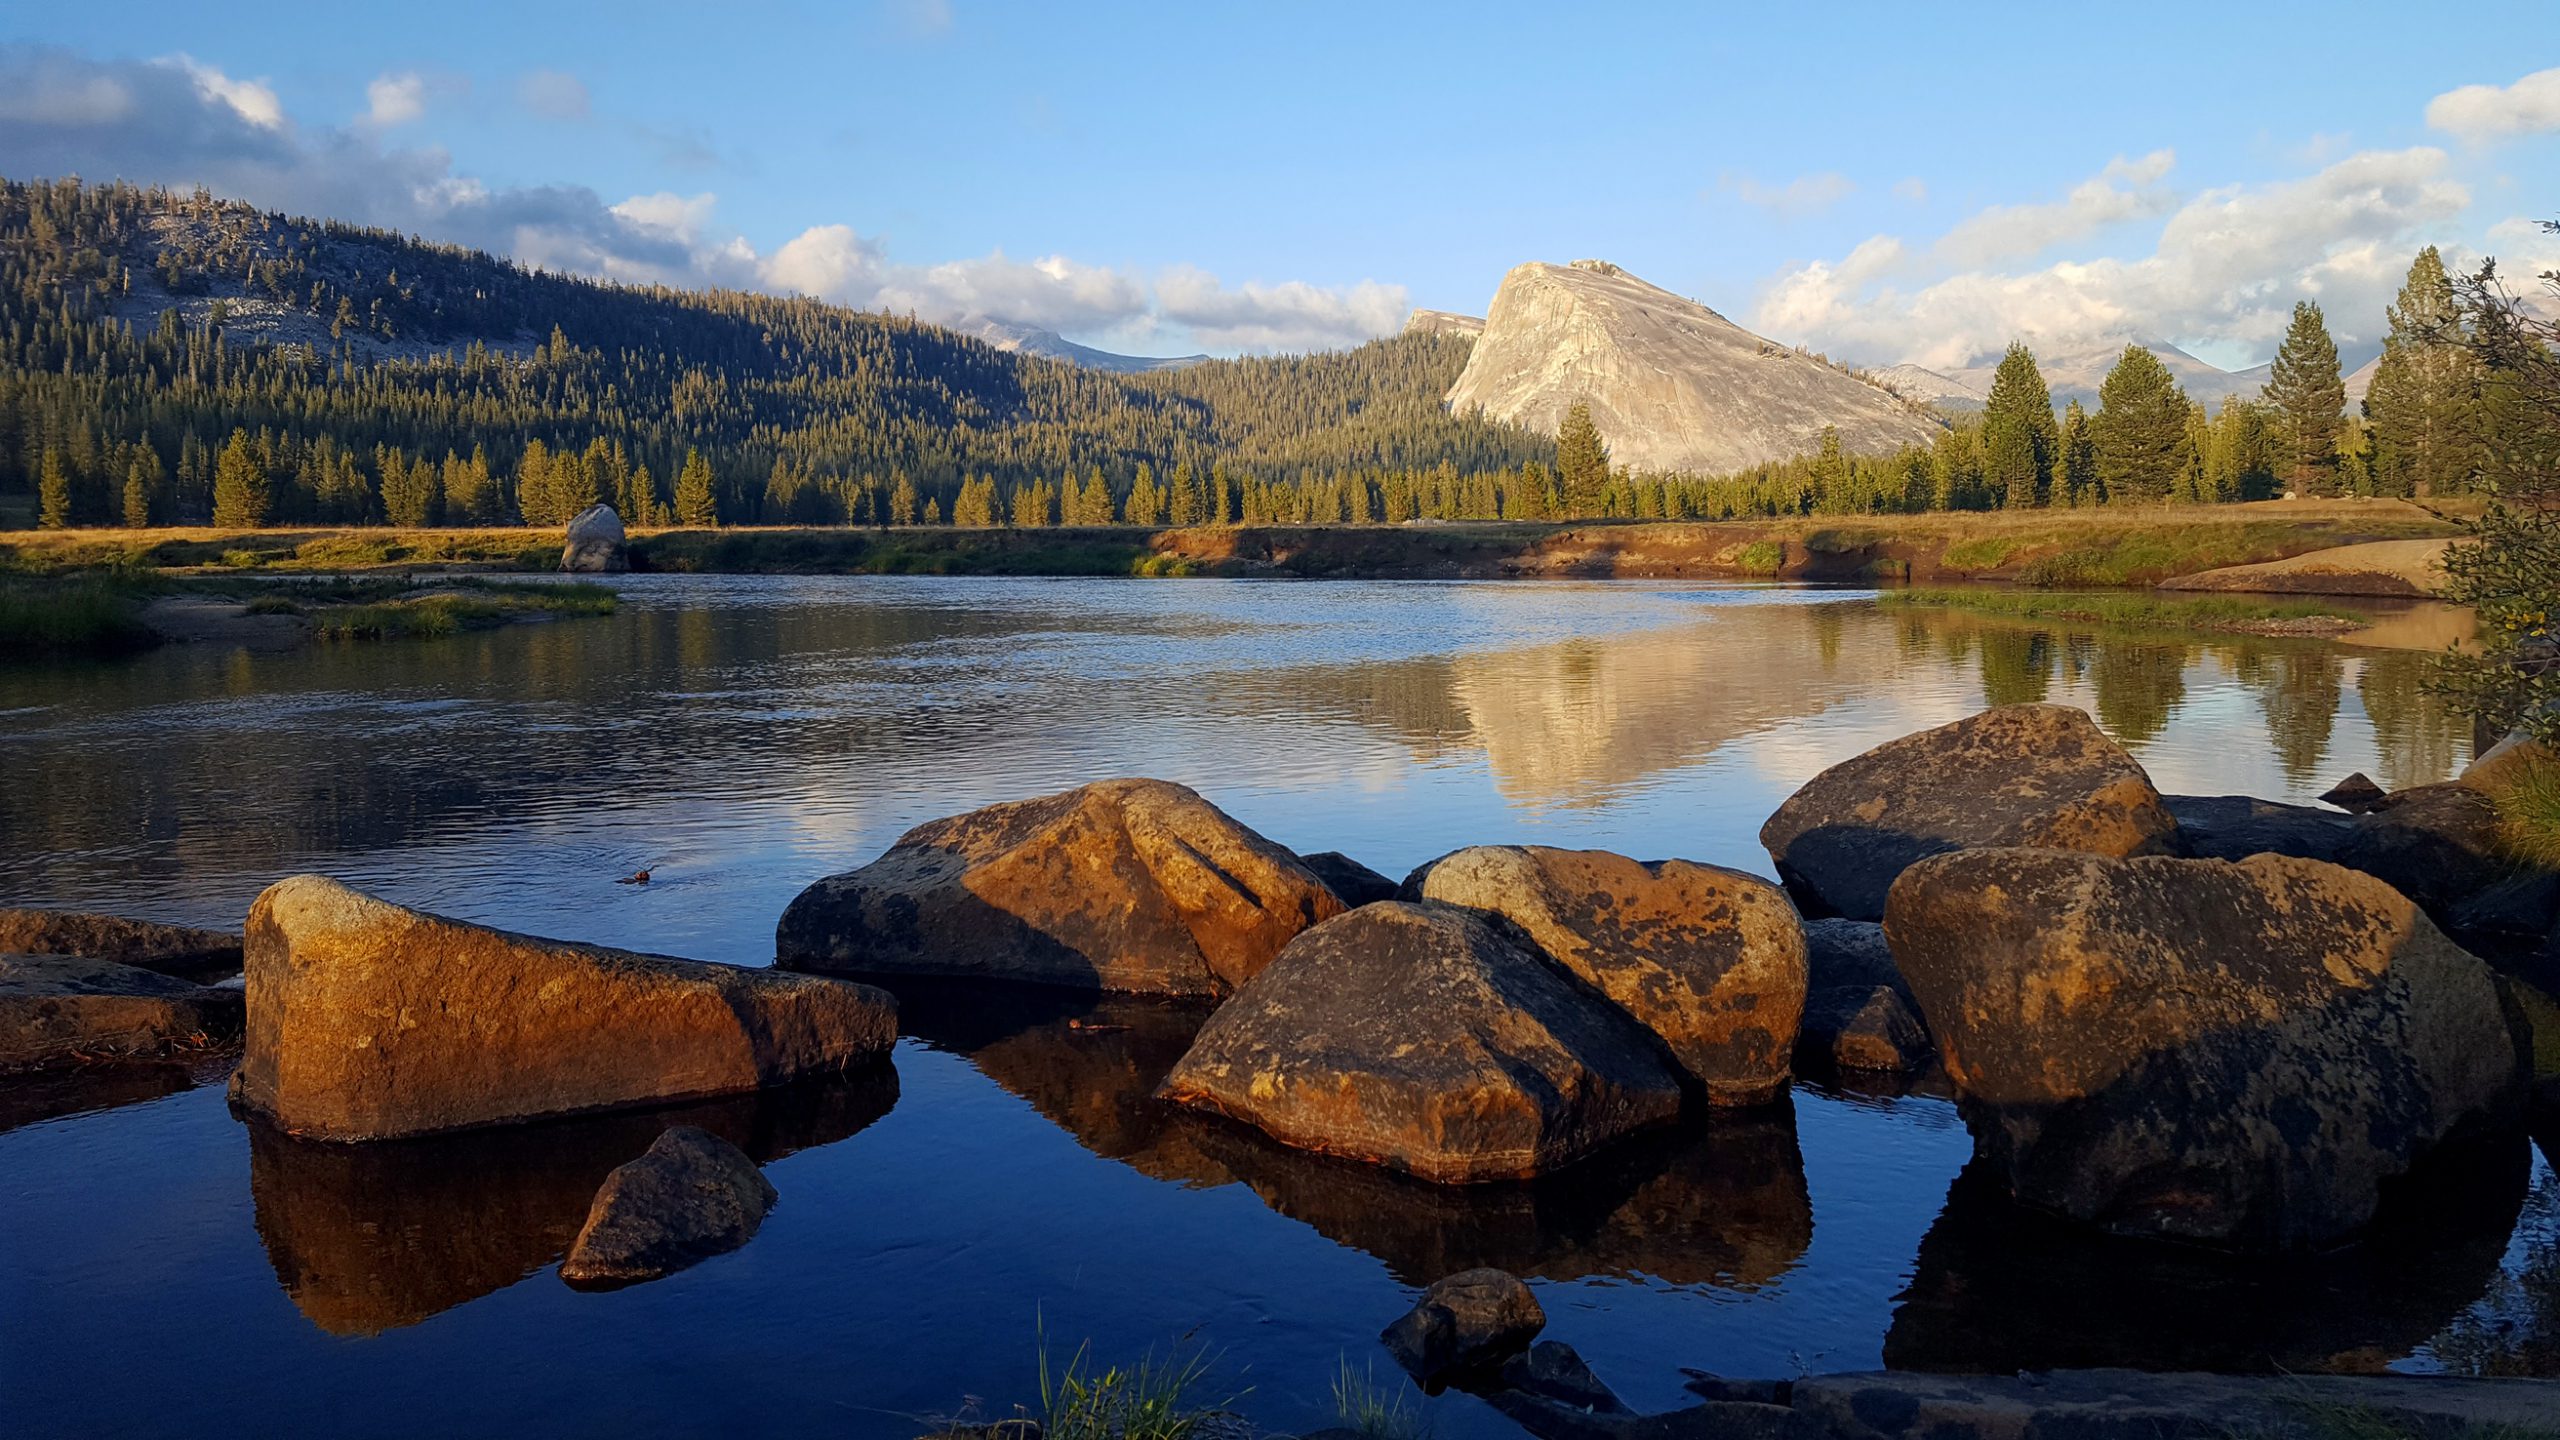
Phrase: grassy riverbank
x=2074 y=548
x=2227 y=614
x=106 y=613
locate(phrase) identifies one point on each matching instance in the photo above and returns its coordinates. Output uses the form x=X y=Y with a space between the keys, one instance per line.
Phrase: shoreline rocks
x=2230 y=1053
x=61 y=1009
x=594 y=543
x=367 y=1020
x=2038 y=775
x=693 y=1195
x=1709 y=961
x=1424 y=1037
x=1130 y=885
x=1467 y=1324
x=179 y=950
x=1860 y=1016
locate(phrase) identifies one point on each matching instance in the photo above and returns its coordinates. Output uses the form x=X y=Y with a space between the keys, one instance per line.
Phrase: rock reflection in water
x=42 y=1095
x=1998 y=1288
x=1722 y=1204
x=369 y=1237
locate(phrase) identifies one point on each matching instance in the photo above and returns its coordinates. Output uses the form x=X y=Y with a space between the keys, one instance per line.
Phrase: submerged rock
x=170 y=949
x=2355 y=794
x=1135 y=885
x=1355 y=883
x=1859 y=1013
x=2040 y=775
x=595 y=543
x=2240 y=1054
x=1710 y=961
x=55 y=1009
x=692 y=1196
x=367 y=1020
x=1467 y=1324
x=1420 y=1036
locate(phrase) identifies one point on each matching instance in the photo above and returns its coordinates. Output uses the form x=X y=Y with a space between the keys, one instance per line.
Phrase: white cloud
x=180 y=123
x=554 y=95
x=395 y=100
x=1804 y=195
x=2226 y=270
x=2125 y=190
x=251 y=100
x=1913 y=189
x=2531 y=106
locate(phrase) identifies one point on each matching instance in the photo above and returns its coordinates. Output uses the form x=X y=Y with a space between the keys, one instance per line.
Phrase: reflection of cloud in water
x=1723 y=1206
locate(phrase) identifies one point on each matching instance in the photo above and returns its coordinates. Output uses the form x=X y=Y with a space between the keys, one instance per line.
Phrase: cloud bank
x=180 y=122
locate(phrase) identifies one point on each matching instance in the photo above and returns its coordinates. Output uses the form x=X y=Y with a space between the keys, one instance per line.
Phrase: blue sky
x=1885 y=181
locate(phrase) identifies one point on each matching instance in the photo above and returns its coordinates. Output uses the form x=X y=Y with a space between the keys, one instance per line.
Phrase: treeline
x=136 y=320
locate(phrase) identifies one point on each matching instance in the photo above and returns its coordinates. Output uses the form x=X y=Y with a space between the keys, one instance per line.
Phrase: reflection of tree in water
x=2017 y=666
x=2298 y=687
x=2416 y=733
x=2138 y=686
x=1827 y=620
x=2515 y=1329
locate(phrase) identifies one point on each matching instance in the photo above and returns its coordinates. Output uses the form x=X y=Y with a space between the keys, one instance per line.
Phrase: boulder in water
x=56 y=1009
x=1431 y=1039
x=692 y=1196
x=1859 y=1013
x=1465 y=1325
x=595 y=543
x=2233 y=1053
x=1355 y=883
x=170 y=949
x=367 y=1020
x=2039 y=775
x=1133 y=885
x=1710 y=961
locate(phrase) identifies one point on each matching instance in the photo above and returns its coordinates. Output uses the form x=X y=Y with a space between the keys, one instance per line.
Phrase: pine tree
x=2309 y=398
x=410 y=492
x=2425 y=399
x=53 y=492
x=902 y=500
x=1146 y=498
x=2076 y=473
x=242 y=492
x=1094 y=506
x=2019 y=439
x=137 y=496
x=1188 y=503
x=1955 y=469
x=697 y=502
x=2139 y=435
x=1830 y=473
x=1582 y=457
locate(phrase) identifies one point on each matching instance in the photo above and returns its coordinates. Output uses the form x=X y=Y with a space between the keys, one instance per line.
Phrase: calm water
x=162 y=1266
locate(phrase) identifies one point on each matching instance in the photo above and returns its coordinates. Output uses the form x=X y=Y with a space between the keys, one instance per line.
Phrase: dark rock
x=1859 y=1014
x=367 y=1021
x=1465 y=1326
x=1356 y=884
x=2041 y=775
x=145 y=944
x=55 y=1009
x=2240 y=1054
x=1719 y=1420
x=2436 y=844
x=1421 y=1036
x=692 y=1196
x=2235 y=827
x=1738 y=1392
x=2137 y=1405
x=2355 y=794
x=595 y=543
x=1552 y=1370
x=1710 y=961
x=367 y=1238
x=1133 y=885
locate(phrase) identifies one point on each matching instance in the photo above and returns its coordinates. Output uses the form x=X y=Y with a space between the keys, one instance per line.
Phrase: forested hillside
x=157 y=343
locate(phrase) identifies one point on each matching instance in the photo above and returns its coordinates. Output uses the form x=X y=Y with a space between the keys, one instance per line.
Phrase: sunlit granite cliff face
x=1673 y=385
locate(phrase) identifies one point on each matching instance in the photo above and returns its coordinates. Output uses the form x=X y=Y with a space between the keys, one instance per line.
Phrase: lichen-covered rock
x=367 y=1020
x=1859 y=1015
x=2231 y=1053
x=1135 y=885
x=1354 y=882
x=2016 y=775
x=1467 y=1324
x=1710 y=961
x=595 y=543
x=692 y=1196
x=170 y=949
x=1422 y=1037
x=2437 y=844
x=59 y=1008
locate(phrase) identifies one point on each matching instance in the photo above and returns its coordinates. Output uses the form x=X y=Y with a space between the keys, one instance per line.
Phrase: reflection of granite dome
x=367 y=1238
x=1727 y=1207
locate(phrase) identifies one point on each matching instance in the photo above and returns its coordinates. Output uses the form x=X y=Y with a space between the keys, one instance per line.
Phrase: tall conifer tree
x=1582 y=457
x=2425 y=399
x=2139 y=434
x=2310 y=398
x=2019 y=438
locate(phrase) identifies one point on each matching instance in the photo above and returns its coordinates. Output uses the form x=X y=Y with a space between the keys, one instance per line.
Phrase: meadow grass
x=69 y=617
x=464 y=605
x=1377 y=1412
x=2228 y=613
x=1151 y=1399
